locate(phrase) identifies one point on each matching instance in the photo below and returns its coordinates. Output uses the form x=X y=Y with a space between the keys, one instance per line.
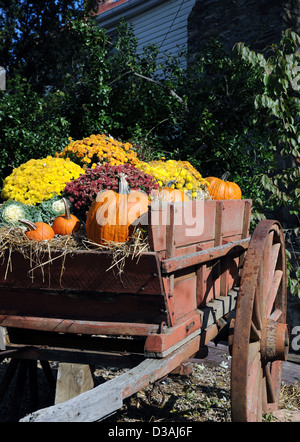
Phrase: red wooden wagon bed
x=203 y=274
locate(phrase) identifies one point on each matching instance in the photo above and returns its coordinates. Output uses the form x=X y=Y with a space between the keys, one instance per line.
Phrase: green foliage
x=31 y=126
x=11 y=211
x=279 y=100
x=52 y=208
x=280 y=97
x=32 y=35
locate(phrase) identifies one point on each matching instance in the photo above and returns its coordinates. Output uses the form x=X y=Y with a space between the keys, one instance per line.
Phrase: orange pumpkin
x=38 y=231
x=67 y=223
x=112 y=214
x=166 y=193
x=221 y=189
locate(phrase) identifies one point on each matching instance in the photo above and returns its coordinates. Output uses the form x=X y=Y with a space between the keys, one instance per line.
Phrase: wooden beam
x=72 y=380
x=192 y=259
x=106 y=398
x=218 y=308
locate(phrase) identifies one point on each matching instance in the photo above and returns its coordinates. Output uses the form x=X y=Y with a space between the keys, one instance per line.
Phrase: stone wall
x=257 y=23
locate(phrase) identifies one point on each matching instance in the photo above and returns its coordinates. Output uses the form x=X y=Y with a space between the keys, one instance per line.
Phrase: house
x=190 y=24
x=160 y=22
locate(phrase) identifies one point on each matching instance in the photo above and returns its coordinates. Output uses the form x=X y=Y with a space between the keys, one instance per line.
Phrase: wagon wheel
x=260 y=338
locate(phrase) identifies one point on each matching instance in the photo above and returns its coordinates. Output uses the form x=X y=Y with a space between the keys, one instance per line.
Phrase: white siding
x=163 y=23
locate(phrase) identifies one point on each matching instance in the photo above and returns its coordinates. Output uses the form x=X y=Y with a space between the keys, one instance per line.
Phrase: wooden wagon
x=204 y=274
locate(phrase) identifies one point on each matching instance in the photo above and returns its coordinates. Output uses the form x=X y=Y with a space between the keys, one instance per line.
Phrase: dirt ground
x=202 y=396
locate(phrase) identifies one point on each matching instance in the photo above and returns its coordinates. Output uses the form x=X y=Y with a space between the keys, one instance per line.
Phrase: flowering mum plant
x=82 y=191
x=99 y=148
x=39 y=180
x=182 y=175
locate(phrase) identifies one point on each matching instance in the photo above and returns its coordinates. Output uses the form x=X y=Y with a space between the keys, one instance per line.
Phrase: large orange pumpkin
x=112 y=214
x=221 y=189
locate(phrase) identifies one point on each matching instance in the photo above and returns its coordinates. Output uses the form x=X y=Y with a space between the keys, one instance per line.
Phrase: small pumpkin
x=221 y=189
x=166 y=193
x=112 y=214
x=38 y=231
x=171 y=195
x=66 y=224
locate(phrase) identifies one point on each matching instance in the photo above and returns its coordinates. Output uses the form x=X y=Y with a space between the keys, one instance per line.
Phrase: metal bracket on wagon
x=167 y=340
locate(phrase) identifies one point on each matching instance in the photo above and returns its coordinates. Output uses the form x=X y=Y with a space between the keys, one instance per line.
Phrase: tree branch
x=158 y=83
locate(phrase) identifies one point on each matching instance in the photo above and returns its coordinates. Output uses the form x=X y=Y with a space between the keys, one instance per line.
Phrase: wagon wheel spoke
x=260 y=340
x=257 y=320
x=270 y=387
x=254 y=381
x=275 y=284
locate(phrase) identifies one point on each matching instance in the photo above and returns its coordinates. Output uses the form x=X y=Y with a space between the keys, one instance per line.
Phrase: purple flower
x=84 y=189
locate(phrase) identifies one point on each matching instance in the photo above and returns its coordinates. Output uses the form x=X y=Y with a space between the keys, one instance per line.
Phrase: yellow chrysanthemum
x=99 y=149
x=182 y=175
x=39 y=180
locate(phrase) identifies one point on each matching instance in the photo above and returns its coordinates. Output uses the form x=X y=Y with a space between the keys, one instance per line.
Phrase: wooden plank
x=170 y=245
x=73 y=355
x=178 y=263
x=170 y=231
x=245 y=231
x=72 y=380
x=200 y=284
x=99 y=307
x=218 y=308
x=197 y=222
x=84 y=271
x=59 y=325
x=233 y=217
x=157 y=218
x=218 y=283
x=3 y=332
x=290 y=373
x=184 y=296
x=102 y=400
x=194 y=222
x=168 y=339
x=218 y=223
x=90 y=406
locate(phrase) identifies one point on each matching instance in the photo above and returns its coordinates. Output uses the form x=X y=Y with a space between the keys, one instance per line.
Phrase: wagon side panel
x=193 y=227
x=79 y=288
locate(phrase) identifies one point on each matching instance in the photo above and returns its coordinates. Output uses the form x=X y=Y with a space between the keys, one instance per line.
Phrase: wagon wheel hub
x=274 y=341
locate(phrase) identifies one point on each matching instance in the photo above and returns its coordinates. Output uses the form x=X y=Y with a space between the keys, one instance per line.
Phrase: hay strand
x=40 y=254
x=120 y=252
